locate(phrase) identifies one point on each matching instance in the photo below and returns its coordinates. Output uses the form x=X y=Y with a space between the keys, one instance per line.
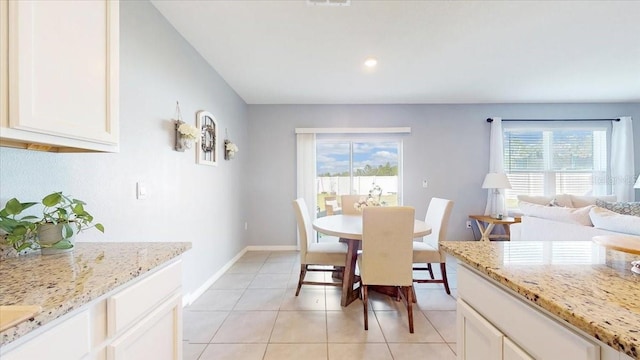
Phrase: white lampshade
x=637 y=185
x=496 y=181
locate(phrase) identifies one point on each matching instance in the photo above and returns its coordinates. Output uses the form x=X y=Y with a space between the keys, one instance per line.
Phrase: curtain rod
x=615 y=119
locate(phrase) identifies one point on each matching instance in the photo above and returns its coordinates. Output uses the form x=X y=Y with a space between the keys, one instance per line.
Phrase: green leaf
x=19 y=230
x=67 y=231
x=78 y=209
x=100 y=227
x=8 y=224
x=52 y=199
x=62 y=244
x=13 y=207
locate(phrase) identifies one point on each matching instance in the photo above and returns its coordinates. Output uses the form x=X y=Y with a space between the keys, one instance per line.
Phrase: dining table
x=349 y=229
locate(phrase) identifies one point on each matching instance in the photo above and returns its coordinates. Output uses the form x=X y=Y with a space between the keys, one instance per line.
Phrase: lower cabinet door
x=158 y=336
x=477 y=338
x=511 y=351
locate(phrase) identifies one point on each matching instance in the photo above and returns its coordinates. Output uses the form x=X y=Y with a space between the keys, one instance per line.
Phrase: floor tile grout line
x=325 y=308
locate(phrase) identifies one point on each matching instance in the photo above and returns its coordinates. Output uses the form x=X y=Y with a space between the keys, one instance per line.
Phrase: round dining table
x=349 y=229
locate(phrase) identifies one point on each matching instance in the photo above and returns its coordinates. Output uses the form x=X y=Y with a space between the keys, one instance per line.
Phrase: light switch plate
x=141 y=191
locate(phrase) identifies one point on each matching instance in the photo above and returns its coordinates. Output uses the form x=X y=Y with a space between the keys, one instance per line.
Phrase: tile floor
x=252 y=312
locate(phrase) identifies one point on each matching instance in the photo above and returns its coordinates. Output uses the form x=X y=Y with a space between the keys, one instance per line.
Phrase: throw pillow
x=560 y=199
x=581 y=201
x=624 y=208
x=563 y=214
x=612 y=221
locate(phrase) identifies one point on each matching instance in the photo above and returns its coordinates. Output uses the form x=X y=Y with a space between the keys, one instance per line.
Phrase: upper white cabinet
x=59 y=68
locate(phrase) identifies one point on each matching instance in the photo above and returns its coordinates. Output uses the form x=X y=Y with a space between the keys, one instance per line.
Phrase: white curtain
x=622 y=160
x=306 y=173
x=496 y=165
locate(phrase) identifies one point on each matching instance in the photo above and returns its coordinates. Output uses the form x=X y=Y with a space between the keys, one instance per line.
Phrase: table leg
x=484 y=231
x=507 y=230
x=348 y=294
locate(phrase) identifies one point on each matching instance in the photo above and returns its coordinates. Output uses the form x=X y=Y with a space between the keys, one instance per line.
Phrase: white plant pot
x=49 y=234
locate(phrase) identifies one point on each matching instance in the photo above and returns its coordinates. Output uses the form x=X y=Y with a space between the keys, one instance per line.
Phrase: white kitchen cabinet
x=148 y=315
x=59 y=69
x=157 y=337
x=477 y=338
x=511 y=351
x=491 y=317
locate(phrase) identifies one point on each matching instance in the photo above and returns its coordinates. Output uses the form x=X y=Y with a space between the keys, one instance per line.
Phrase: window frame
x=352 y=138
x=549 y=174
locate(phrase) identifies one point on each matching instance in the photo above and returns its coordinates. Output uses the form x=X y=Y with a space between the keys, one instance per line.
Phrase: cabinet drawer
x=68 y=340
x=536 y=333
x=158 y=336
x=132 y=303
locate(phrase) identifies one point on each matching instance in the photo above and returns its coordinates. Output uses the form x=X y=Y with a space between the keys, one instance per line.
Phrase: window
x=559 y=158
x=355 y=164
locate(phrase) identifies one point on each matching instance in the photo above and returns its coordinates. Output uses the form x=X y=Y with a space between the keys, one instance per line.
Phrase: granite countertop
x=583 y=283
x=65 y=282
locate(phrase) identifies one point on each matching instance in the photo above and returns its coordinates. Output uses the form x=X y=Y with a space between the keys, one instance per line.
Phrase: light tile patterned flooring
x=252 y=312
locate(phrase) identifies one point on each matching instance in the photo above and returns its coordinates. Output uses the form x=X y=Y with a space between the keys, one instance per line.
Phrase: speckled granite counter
x=62 y=283
x=582 y=283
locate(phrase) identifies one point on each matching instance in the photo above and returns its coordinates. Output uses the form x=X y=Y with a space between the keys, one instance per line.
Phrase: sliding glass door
x=358 y=166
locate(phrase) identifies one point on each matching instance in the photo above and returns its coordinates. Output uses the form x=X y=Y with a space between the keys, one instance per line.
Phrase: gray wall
x=186 y=201
x=448 y=146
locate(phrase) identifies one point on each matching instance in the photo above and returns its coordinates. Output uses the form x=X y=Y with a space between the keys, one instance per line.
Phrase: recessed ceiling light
x=370 y=62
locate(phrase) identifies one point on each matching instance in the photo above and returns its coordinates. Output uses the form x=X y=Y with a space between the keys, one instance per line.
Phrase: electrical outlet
x=425 y=183
x=468 y=224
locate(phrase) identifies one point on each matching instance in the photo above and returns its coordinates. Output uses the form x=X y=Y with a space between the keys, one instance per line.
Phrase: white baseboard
x=271 y=248
x=189 y=298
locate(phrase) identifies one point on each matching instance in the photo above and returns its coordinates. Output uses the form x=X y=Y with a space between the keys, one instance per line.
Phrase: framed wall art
x=207 y=153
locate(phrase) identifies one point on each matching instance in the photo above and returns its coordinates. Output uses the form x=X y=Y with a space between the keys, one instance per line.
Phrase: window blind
x=563 y=159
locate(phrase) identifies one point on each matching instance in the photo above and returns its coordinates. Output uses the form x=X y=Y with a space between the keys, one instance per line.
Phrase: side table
x=490 y=222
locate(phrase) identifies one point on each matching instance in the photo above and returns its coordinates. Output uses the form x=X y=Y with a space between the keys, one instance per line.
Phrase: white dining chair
x=332 y=255
x=428 y=250
x=386 y=258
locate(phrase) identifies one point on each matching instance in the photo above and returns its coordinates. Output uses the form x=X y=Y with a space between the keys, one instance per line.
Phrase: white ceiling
x=434 y=52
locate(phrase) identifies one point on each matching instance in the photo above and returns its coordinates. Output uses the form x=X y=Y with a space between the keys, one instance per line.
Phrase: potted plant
x=21 y=232
x=62 y=218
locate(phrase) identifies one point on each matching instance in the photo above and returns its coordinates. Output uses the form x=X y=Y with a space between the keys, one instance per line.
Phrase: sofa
x=574 y=218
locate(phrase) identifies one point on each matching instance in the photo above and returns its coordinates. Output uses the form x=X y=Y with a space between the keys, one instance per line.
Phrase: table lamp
x=496 y=181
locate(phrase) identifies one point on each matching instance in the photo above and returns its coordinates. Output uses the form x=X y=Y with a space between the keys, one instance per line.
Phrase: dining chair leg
x=365 y=302
x=413 y=293
x=430 y=270
x=303 y=272
x=443 y=269
x=410 y=307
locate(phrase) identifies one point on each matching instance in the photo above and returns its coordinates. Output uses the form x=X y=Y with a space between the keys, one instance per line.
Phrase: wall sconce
x=230 y=149
x=186 y=134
